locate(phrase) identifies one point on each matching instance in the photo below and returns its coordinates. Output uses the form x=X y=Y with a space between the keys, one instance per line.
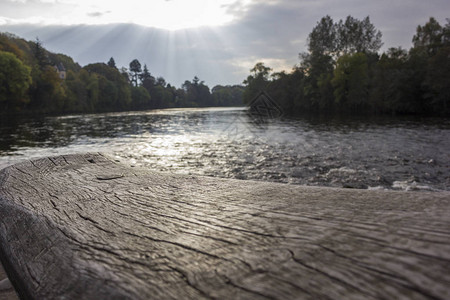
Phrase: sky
x=218 y=41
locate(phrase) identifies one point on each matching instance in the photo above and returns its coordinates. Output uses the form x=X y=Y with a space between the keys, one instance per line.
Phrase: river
x=381 y=153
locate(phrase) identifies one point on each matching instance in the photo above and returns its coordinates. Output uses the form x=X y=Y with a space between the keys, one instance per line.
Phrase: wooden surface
x=7 y=292
x=85 y=227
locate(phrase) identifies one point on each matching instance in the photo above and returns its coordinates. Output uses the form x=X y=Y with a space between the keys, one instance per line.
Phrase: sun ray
x=163 y=14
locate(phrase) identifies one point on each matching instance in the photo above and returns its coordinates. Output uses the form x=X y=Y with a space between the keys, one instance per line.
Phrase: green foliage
x=323 y=39
x=437 y=81
x=227 y=95
x=389 y=79
x=8 y=46
x=65 y=60
x=344 y=37
x=197 y=93
x=319 y=68
x=40 y=54
x=350 y=81
x=327 y=42
x=30 y=82
x=343 y=73
x=429 y=37
x=358 y=36
x=256 y=82
x=135 y=69
x=112 y=63
x=113 y=90
x=141 y=98
x=14 y=81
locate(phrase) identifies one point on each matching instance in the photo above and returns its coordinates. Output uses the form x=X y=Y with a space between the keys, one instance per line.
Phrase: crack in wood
x=109 y=177
x=166 y=236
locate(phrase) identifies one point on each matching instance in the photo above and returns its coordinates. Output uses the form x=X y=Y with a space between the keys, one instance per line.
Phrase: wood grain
x=85 y=227
x=6 y=291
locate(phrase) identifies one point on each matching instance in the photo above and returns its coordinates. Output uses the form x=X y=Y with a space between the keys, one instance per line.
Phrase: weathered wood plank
x=85 y=227
x=7 y=291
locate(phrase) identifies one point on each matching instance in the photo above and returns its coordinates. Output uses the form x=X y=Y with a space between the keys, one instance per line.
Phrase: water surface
x=406 y=154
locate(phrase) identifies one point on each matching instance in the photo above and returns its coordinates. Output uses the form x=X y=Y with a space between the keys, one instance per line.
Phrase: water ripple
x=406 y=154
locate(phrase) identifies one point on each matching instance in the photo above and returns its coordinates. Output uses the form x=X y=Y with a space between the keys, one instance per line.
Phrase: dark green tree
x=256 y=82
x=161 y=81
x=351 y=81
x=358 y=36
x=227 y=95
x=145 y=75
x=429 y=36
x=197 y=93
x=316 y=85
x=140 y=98
x=8 y=44
x=40 y=54
x=437 y=82
x=135 y=69
x=14 y=82
x=390 y=85
x=323 y=38
x=77 y=97
x=147 y=80
x=110 y=98
x=111 y=63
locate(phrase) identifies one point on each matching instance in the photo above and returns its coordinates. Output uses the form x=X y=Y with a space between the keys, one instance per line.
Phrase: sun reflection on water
x=222 y=143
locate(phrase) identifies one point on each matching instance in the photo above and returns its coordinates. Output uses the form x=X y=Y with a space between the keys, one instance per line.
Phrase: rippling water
x=382 y=153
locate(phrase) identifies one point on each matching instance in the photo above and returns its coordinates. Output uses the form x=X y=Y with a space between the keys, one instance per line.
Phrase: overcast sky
x=216 y=40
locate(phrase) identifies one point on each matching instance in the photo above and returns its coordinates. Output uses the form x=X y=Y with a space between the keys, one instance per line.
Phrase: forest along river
x=404 y=154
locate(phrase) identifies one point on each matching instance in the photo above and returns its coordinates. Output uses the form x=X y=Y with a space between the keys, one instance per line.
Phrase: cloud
x=272 y=31
x=98 y=14
x=35 y=11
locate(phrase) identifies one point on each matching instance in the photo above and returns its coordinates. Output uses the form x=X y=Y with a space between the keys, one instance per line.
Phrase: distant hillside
x=26 y=50
x=35 y=80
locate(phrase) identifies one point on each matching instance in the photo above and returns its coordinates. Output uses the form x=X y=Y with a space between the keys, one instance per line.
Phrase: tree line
x=342 y=72
x=31 y=82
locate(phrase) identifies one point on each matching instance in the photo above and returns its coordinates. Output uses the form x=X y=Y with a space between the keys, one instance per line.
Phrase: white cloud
x=174 y=14
x=244 y=64
x=272 y=31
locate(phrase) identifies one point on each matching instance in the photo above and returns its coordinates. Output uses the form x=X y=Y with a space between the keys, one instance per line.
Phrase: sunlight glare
x=165 y=14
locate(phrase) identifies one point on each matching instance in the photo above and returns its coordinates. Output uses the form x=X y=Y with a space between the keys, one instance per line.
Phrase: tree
x=390 y=92
x=145 y=75
x=77 y=97
x=197 y=93
x=446 y=33
x=437 y=82
x=351 y=82
x=112 y=63
x=140 y=98
x=147 y=80
x=227 y=95
x=114 y=90
x=327 y=42
x=323 y=38
x=345 y=37
x=358 y=36
x=430 y=36
x=260 y=71
x=257 y=81
x=40 y=54
x=135 y=69
x=161 y=81
x=7 y=44
x=14 y=81
x=319 y=70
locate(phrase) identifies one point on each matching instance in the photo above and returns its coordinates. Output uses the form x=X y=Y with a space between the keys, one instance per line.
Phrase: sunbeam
x=163 y=14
